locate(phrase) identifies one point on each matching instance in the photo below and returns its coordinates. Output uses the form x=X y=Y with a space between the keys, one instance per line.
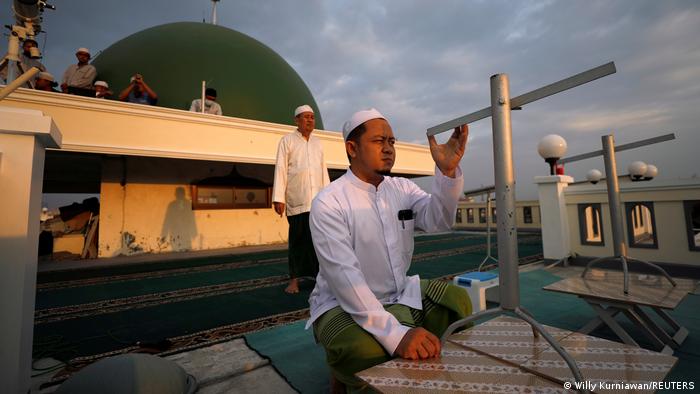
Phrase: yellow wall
x=154 y=206
x=165 y=150
x=519 y=219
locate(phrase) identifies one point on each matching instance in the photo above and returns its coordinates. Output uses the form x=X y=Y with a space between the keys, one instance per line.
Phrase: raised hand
x=448 y=155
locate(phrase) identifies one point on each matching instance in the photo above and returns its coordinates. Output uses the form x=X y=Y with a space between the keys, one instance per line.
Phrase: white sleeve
x=436 y=211
x=326 y=180
x=193 y=107
x=340 y=268
x=279 y=187
x=66 y=75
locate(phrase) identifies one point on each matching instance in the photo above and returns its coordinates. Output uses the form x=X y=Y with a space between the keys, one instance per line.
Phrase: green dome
x=252 y=81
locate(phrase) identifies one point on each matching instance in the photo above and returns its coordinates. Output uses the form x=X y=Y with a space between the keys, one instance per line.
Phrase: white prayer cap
x=359 y=118
x=301 y=109
x=102 y=83
x=46 y=76
x=84 y=50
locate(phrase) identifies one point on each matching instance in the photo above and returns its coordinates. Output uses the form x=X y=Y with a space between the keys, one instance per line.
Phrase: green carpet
x=88 y=312
x=56 y=276
x=293 y=352
x=295 y=355
x=83 y=286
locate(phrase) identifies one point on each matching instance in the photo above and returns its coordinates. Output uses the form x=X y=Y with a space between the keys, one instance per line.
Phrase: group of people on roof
x=81 y=79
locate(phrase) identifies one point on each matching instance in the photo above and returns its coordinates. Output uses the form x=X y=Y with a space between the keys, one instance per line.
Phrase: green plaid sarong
x=351 y=349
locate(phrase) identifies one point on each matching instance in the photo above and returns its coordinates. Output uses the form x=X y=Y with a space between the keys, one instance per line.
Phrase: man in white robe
x=364 y=308
x=300 y=173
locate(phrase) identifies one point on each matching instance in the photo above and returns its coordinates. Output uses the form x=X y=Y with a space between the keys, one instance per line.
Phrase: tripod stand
x=619 y=244
x=488 y=234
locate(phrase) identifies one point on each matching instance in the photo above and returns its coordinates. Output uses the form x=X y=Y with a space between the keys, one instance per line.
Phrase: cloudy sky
x=427 y=61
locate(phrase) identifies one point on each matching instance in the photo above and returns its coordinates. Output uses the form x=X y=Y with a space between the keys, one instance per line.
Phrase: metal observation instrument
x=619 y=244
x=499 y=111
x=486 y=192
x=28 y=18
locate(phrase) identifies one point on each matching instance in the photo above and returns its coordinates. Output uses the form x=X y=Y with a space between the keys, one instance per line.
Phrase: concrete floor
x=222 y=368
x=231 y=367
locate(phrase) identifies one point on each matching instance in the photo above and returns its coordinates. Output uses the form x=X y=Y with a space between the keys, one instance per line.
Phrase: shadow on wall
x=179 y=227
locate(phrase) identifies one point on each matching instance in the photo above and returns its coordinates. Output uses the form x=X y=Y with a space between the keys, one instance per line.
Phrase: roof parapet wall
x=111 y=127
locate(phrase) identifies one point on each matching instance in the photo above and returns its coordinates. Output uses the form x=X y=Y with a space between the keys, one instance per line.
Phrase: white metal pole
x=509 y=286
x=619 y=245
x=18 y=82
x=488 y=226
x=204 y=88
x=12 y=57
x=213 y=12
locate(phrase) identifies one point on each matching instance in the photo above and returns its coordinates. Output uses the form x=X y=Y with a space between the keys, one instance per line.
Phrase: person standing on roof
x=79 y=75
x=102 y=90
x=45 y=81
x=26 y=61
x=300 y=173
x=138 y=92
x=210 y=104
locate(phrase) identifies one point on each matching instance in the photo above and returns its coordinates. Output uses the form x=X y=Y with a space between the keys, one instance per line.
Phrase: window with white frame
x=482 y=215
x=641 y=225
x=527 y=215
x=470 y=215
x=692 y=223
x=590 y=224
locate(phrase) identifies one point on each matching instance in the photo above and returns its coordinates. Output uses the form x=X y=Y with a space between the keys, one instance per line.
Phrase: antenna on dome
x=213 y=11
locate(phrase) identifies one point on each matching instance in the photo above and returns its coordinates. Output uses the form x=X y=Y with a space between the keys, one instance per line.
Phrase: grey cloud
x=424 y=62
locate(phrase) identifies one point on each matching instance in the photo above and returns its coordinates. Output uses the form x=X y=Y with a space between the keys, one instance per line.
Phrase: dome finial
x=213 y=11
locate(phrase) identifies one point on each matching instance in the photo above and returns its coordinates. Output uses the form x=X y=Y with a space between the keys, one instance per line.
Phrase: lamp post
x=552 y=147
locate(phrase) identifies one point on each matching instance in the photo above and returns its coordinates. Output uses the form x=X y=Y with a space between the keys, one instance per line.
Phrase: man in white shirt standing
x=210 y=104
x=79 y=75
x=102 y=90
x=364 y=308
x=300 y=173
x=26 y=61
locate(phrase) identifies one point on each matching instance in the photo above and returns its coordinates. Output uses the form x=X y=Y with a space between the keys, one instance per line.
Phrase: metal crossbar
x=534 y=95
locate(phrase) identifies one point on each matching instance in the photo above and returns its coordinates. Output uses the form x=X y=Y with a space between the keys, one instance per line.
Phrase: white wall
x=667 y=198
x=519 y=219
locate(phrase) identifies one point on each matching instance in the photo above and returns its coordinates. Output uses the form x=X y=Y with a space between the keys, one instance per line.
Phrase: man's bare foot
x=293 y=286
